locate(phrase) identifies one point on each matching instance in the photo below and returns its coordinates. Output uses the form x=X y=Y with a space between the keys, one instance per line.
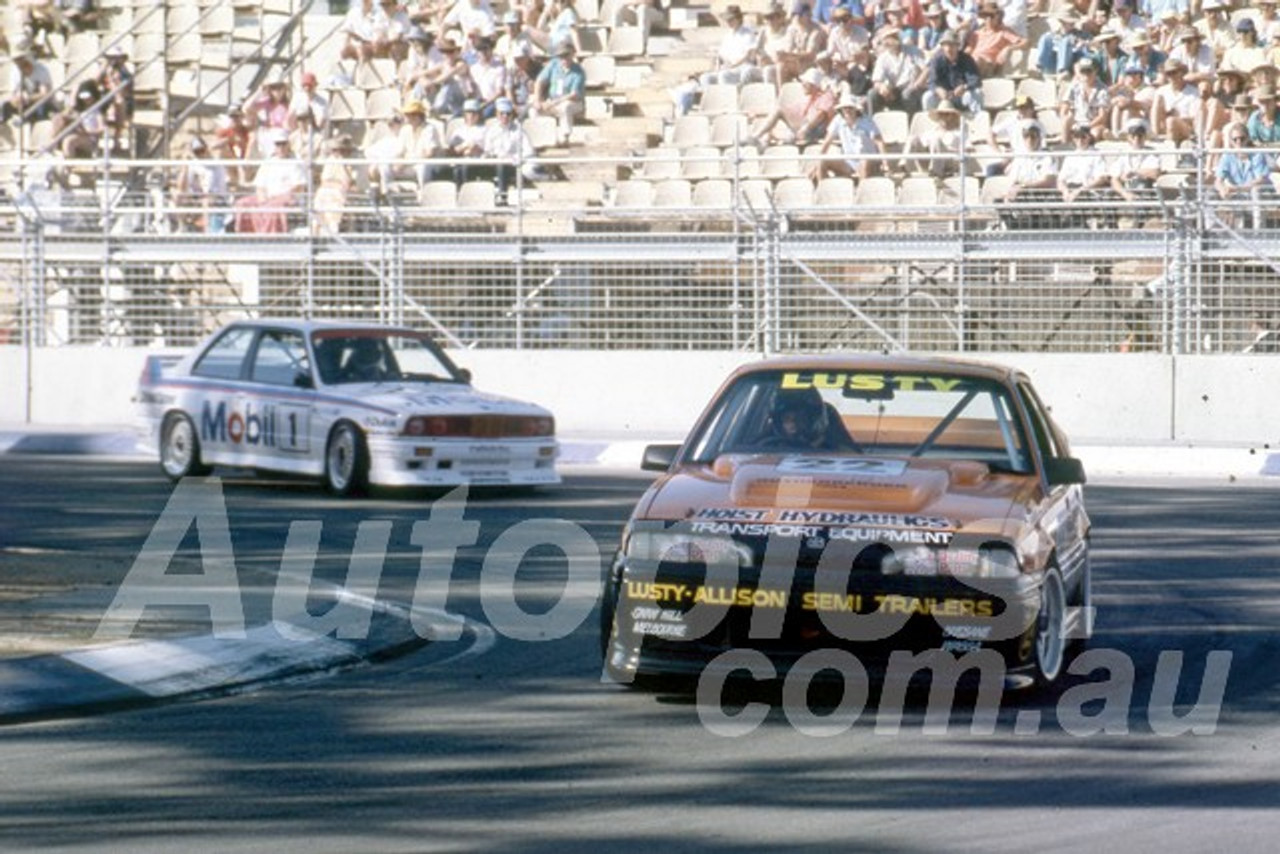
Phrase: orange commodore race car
x=872 y=505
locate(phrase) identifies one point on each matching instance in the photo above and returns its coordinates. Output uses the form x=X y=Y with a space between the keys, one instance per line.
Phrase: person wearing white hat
x=1135 y=169
x=856 y=135
x=276 y=187
x=515 y=41
x=738 y=56
x=1175 y=110
x=803 y=121
x=466 y=140
x=900 y=74
x=1033 y=170
x=506 y=142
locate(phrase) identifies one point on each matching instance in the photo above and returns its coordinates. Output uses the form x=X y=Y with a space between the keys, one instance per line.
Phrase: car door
x=280 y=402
x=1063 y=517
x=218 y=390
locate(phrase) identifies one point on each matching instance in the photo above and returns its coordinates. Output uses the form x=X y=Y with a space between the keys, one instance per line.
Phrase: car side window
x=225 y=356
x=280 y=358
x=1039 y=423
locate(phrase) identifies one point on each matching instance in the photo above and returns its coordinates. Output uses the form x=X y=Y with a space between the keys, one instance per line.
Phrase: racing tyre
x=180 y=449
x=346 y=461
x=1050 y=646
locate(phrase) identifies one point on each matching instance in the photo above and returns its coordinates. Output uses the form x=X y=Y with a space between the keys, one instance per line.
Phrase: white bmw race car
x=358 y=405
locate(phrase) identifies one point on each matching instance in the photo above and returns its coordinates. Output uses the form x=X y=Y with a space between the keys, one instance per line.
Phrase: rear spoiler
x=155 y=368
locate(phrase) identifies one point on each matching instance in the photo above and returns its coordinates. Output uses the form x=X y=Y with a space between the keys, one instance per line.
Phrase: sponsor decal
x=822 y=517
x=683 y=595
x=865 y=466
x=814 y=532
x=255 y=426
x=868 y=382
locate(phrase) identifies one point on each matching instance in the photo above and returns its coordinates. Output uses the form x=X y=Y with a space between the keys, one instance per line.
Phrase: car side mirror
x=1064 y=470
x=302 y=379
x=464 y=375
x=659 y=457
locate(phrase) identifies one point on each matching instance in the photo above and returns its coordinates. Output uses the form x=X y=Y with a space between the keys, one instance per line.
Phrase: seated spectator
x=857 y=135
x=309 y=97
x=1131 y=98
x=472 y=17
x=407 y=151
x=1086 y=101
x=1062 y=46
x=29 y=91
x=846 y=39
x=992 y=42
x=202 y=191
x=1083 y=173
x=1141 y=53
x=275 y=187
x=941 y=139
x=398 y=26
x=559 y=91
x=339 y=178
x=1267 y=22
x=893 y=15
x=82 y=126
x=557 y=26
x=1263 y=127
x=268 y=111
x=1197 y=56
x=522 y=81
x=803 y=121
x=366 y=32
x=805 y=40
x=900 y=75
x=305 y=139
x=515 y=41
x=1126 y=20
x=1246 y=54
x=116 y=81
x=1134 y=170
x=40 y=19
x=737 y=58
x=1244 y=173
x=1005 y=133
x=962 y=15
x=1176 y=107
x=506 y=143
x=953 y=78
x=1109 y=58
x=488 y=77
x=929 y=35
x=773 y=52
x=1032 y=172
x=1215 y=27
x=466 y=142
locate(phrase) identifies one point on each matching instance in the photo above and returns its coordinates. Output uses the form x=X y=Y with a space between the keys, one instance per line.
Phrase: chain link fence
x=117 y=257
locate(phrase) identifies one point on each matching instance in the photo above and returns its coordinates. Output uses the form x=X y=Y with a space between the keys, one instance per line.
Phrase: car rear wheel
x=346 y=468
x=1050 y=645
x=180 y=448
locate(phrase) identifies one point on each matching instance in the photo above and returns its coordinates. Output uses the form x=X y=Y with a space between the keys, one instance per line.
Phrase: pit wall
x=1113 y=398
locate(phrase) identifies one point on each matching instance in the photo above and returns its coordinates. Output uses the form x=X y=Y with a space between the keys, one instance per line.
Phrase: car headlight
x=990 y=560
x=679 y=547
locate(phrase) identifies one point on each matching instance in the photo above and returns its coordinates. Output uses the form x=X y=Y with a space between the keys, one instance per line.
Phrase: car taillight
x=536 y=426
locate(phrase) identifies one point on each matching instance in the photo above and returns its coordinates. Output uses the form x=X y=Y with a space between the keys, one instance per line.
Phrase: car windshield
x=375 y=355
x=908 y=414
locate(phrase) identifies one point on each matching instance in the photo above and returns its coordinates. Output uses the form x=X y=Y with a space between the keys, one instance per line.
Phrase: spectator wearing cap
x=558 y=91
x=340 y=176
x=276 y=187
x=803 y=121
x=466 y=142
x=366 y=32
x=488 y=76
x=1264 y=129
x=1083 y=172
x=773 y=52
x=522 y=81
x=308 y=95
x=845 y=39
x=1176 y=108
x=202 y=190
x=899 y=76
x=115 y=79
x=1215 y=27
x=1244 y=173
x=1131 y=98
x=1247 y=53
x=953 y=78
x=1086 y=101
x=29 y=91
x=856 y=135
x=738 y=56
x=1135 y=169
x=81 y=126
x=805 y=39
x=557 y=26
x=269 y=111
x=515 y=42
x=507 y=144
x=991 y=42
x=1033 y=171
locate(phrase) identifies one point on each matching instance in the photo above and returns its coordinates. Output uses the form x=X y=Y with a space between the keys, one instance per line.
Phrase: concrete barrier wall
x=1120 y=398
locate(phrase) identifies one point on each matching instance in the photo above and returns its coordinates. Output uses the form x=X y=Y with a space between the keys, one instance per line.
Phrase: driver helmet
x=365 y=357
x=799 y=416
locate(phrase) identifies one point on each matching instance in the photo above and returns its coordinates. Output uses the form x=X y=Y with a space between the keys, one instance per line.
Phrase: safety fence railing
x=930 y=252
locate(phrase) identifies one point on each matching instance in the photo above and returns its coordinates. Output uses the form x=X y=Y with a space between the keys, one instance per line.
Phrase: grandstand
x=730 y=240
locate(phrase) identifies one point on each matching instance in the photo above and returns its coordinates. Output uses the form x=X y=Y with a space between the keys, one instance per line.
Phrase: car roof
x=882 y=363
x=308 y=326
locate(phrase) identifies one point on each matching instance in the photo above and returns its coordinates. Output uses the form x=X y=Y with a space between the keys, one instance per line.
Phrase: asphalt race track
x=500 y=744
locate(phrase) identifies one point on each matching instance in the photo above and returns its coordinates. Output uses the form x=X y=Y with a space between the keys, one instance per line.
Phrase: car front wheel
x=180 y=449
x=346 y=469
x=1050 y=645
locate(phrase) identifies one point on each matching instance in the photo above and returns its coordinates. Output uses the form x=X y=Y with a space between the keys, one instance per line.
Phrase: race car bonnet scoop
x=863 y=483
